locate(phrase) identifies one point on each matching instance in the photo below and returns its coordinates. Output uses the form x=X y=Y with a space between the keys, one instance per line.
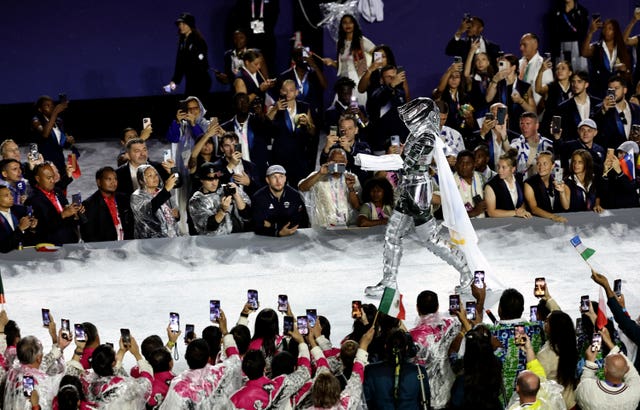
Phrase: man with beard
x=278 y=209
x=138 y=155
x=108 y=212
x=615 y=115
x=580 y=107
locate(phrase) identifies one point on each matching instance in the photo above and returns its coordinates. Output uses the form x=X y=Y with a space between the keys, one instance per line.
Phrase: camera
x=337 y=168
x=228 y=190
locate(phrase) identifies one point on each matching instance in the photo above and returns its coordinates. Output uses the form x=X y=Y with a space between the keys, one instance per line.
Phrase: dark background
x=112 y=58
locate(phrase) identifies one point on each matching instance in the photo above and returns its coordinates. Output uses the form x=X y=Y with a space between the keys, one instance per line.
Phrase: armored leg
x=397 y=227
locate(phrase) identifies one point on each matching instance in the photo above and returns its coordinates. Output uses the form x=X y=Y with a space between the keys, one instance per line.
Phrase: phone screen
x=125 y=334
x=454 y=304
x=252 y=298
x=312 y=316
x=584 y=303
x=471 y=310
x=502 y=114
x=189 y=329
x=540 y=287
x=596 y=342
x=283 y=303
x=76 y=198
x=356 y=306
x=478 y=279
x=27 y=385
x=45 y=317
x=519 y=336
x=66 y=328
x=617 y=287
x=303 y=329
x=533 y=313
x=287 y=324
x=174 y=322
x=214 y=310
x=79 y=331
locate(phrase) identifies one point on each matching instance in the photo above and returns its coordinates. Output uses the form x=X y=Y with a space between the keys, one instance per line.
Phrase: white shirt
x=7 y=216
x=133 y=171
x=584 y=109
x=531 y=72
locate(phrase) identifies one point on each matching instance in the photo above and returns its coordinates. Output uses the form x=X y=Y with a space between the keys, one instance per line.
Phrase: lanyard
x=301 y=83
x=253 y=9
x=566 y=19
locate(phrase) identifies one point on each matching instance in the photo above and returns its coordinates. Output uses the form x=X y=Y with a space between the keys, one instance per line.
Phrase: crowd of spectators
x=461 y=359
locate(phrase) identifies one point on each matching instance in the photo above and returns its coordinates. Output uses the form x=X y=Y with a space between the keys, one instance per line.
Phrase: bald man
x=531 y=62
x=620 y=388
x=527 y=388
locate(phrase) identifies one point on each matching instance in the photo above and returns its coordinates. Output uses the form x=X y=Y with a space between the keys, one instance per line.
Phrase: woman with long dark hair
x=266 y=337
x=478 y=73
x=556 y=92
x=192 y=60
x=579 y=193
x=377 y=202
x=370 y=81
x=353 y=53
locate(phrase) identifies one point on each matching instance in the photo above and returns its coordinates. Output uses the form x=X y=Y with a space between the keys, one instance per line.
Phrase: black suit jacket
x=461 y=48
x=51 y=227
x=124 y=177
x=99 y=226
x=11 y=238
x=249 y=168
x=568 y=110
x=610 y=128
x=258 y=151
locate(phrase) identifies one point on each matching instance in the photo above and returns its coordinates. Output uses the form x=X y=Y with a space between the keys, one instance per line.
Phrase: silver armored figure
x=413 y=209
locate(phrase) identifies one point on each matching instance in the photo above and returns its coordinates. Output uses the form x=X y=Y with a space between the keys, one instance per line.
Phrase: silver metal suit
x=413 y=209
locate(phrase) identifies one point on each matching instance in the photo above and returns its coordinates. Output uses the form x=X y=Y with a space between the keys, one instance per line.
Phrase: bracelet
x=170 y=344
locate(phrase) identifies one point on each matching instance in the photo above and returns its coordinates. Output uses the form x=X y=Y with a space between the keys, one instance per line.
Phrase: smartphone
x=189 y=330
x=29 y=210
x=214 y=310
x=533 y=313
x=476 y=200
x=454 y=304
x=66 y=328
x=33 y=152
x=306 y=52
x=252 y=298
x=213 y=120
x=283 y=303
x=312 y=316
x=579 y=326
x=457 y=59
x=395 y=140
x=558 y=173
x=174 y=322
x=81 y=336
x=491 y=316
x=27 y=385
x=611 y=93
x=76 y=199
x=356 y=306
x=125 y=335
x=333 y=130
x=547 y=56
x=478 y=279
x=337 y=168
x=45 y=317
x=400 y=70
x=519 y=338
x=146 y=122
x=584 y=303
x=62 y=98
x=556 y=124
x=489 y=116
x=540 y=287
x=287 y=325
x=237 y=147
x=377 y=56
x=596 y=342
x=617 y=287
x=166 y=155
x=471 y=310
x=595 y=16
x=303 y=328
x=467 y=16
x=501 y=115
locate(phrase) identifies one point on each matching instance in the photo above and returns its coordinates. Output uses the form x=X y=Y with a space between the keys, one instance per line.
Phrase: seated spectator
x=345 y=103
x=587 y=130
x=58 y=220
x=621 y=385
x=433 y=336
x=481 y=156
x=350 y=141
x=130 y=134
x=204 y=385
x=48 y=130
x=12 y=178
x=371 y=78
x=396 y=382
x=554 y=93
x=542 y=192
x=218 y=209
x=278 y=209
x=253 y=132
x=478 y=72
x=528 y=144
x=377 y=202
x=617 y=188
x=17 y=227
x=382 y=108
x=138 y=155
x=234 y=168
x=108 y=212
x=580 y=107
x=295 y=144
x=496 y=137
x=250 y=79
x=253 y=394
x=615 y=115
x=503 y=193
x=233 y=58
x=333 y=198
x=470 y=184
x=153 y=214
x=472 y=27
x=508 y=89
x=452 y=138
x=580 y=192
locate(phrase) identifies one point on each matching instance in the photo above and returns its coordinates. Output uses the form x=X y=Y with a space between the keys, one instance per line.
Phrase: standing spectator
x=295 y=144
x=333 y=195
x=58 y=219
x=531 y=63
x=634 y=43
x=49 y=131
x=250 y=80
x=138 y=156
x=453 y=91
x=470 y=184
x=350 y=142
x=607 y=57
x=587 y=130
x=503 y=193
x=278 y=209
x=128 y=134
x=233 y=58
x=16 y=226
x=108 y=212
x=569 y=22
x=473 y=27
x=353 y=53
x=192 y=60
x=371 y=78
x=478 y=71
x=453 y=140
x=528 y=144
x=554 y=93
x=153 y=215
x=234 y=168
x=495 y=137
x=615 y=115
x=10 y=150
x=11 y=172
x=345 y=104
x=542 y=191
x=580 y=193
x=580 y=107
